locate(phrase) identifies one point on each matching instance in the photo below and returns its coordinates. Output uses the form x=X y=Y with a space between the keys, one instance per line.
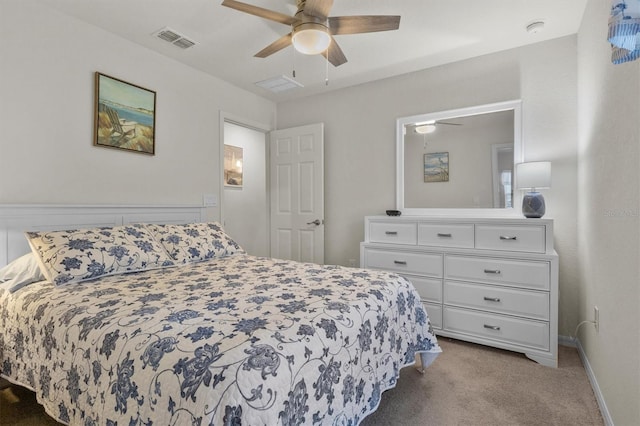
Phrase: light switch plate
x=210 y=200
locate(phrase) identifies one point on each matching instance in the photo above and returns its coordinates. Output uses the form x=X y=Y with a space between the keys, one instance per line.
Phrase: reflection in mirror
x=458 y=159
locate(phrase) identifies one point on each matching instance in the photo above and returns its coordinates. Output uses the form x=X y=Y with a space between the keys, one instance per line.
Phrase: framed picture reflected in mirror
x=436 y=167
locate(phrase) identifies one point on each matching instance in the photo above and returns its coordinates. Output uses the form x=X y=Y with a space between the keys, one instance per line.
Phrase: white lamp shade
x=536 y=174
x=311 y=38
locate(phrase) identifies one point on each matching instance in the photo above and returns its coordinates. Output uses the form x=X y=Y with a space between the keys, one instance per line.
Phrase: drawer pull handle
x=391 y=233
x=492 y=327
x=492 y=299
x=492 y=271
x=505 y=238
x=400 y=262
x=444 y=235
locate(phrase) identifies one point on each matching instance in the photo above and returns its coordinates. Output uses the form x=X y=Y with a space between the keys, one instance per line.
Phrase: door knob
x=315 y=222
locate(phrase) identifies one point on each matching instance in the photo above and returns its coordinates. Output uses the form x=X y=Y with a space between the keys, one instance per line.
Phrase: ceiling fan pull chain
x=293 y=62
x=326 y=70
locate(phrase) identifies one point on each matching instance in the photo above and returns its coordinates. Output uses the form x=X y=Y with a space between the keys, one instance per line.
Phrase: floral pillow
x=195 y=242
x=79 y=255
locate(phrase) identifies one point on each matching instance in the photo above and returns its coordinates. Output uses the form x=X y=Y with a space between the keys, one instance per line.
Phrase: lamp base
x=533 y=205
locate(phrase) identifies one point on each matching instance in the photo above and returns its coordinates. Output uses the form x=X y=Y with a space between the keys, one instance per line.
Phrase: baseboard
x=574 y=342
x=567 y=341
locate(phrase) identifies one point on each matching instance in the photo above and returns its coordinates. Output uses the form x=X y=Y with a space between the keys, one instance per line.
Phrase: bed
x=195 y=331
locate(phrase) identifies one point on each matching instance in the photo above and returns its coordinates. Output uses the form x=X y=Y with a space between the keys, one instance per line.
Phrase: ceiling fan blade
x=261 y=12
x=335 y=54
x=363 y=24
x=318 y=8
x=274 y=47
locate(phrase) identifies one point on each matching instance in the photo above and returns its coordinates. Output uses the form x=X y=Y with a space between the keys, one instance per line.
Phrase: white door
x=297 y=193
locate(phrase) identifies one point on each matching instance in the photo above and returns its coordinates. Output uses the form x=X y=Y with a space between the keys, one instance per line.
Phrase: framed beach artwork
x=436 y=167
x=125 y=115
x=233 y=166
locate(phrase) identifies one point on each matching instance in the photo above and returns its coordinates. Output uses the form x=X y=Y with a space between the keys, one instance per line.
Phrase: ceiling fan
x=430 y=126
x=312 y=29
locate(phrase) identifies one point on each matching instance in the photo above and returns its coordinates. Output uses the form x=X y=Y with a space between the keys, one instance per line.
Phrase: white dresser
x=492 y=281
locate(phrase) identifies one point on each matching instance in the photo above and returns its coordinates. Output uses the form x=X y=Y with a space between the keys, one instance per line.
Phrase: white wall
x=47 y=69
x=609 y=215
x=360 y=140
x=245 y=209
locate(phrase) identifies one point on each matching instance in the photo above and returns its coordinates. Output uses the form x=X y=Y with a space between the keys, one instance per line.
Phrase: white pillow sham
x=20 y=273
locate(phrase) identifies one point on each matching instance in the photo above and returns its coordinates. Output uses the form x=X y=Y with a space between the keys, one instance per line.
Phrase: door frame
x=226 y=117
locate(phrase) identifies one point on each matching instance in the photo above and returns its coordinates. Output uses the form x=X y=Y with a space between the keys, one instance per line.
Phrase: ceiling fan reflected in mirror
x=312 y=29
x=430 y=126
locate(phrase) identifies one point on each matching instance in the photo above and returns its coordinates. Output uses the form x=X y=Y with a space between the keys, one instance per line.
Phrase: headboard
x=16 y=219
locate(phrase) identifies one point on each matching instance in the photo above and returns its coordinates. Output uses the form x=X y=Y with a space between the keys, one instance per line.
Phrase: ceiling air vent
x=175 y=38
x=184 y=43
x=279 y=84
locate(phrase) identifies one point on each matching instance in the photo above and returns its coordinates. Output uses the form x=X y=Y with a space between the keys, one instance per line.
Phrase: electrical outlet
x=596 y=318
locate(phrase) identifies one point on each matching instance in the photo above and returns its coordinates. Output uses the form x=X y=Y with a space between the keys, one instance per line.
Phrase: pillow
x=21 y=272
x=195 y=242
x=80 y=255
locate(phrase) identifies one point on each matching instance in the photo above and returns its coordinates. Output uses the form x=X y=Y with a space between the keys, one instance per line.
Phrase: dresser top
x=513 y=220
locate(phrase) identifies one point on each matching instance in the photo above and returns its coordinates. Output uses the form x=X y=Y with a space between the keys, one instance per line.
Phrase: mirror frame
x=518 y=155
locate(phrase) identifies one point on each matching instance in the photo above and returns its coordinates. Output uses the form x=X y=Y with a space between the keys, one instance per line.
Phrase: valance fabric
x=624 y=30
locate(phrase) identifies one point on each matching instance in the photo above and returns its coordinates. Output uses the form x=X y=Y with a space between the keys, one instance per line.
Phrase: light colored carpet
x=471 y=384
x=467 y=385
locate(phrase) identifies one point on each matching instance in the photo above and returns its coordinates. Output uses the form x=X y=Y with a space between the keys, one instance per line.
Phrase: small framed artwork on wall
x=436 y=167
x=233 y=166
x=125 y=115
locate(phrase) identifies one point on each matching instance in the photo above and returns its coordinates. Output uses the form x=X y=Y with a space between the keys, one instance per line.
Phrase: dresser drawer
x=534 y=334
x=404 y=262
x=511 y=301
x=511 y=238
x=394 y=233
x=429 y=289
x=520 y=273
x=445 y=235
x=435 y=314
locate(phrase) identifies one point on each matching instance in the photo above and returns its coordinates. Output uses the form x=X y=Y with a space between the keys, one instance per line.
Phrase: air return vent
x=279 y=84
x=174 y=37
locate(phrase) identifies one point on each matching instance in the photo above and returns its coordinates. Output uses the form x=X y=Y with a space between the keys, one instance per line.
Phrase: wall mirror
x=459 y=161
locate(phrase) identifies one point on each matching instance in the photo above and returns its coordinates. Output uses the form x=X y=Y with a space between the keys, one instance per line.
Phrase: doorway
x=265 y=212
x=245 y=202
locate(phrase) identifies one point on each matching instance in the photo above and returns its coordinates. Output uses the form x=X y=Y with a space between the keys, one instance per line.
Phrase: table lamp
x=531 y=177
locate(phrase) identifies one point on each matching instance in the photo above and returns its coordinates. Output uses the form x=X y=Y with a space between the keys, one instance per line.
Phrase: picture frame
x=436 y=167
x=233 y=163
x=124 y=115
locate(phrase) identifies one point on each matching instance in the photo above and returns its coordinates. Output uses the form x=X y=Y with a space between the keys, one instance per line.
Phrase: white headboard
x=16 y=219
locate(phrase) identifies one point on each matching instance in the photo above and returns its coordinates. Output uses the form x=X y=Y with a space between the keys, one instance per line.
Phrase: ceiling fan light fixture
x=311 y=38
x=426 y=128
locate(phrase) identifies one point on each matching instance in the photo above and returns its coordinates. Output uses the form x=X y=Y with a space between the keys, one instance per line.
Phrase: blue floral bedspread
x=230 y=341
